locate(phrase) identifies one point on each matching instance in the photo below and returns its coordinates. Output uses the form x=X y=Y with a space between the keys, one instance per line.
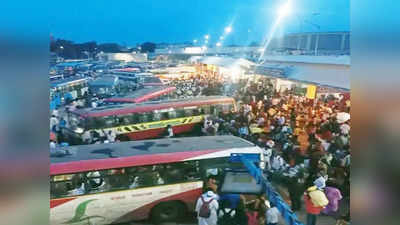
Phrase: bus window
x=110 y=121
x=141 y=177
x=135 y=118
x=213 y=110
x=156 y=116
x=123 y=120
x=188 y=112
x=143 y=117
x=226 y=108
x=117 y=179
x=164 y=116
x=97 y=123
x=180 y=113
x=206 y=109
x=58 y=189
x=172 y=114
x=95 y=182
x=218 y=109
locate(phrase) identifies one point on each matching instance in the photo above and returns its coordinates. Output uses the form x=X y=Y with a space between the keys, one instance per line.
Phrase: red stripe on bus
x=142 y=98
x=141 y=109
x=188 y=197
x=57 y=202
x=154 y=94
x=110 y=163
x=159 y=132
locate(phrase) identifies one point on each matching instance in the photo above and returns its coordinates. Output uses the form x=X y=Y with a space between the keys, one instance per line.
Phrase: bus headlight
x=78 y=130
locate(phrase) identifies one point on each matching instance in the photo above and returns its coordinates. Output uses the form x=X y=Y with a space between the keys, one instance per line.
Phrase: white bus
x=127 y=181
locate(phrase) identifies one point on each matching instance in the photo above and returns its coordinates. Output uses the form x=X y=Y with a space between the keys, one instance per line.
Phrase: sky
x=129 y=22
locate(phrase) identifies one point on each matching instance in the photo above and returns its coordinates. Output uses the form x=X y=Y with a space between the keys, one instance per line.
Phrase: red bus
x=143 y=94
x=120 y=182
x=146 y=120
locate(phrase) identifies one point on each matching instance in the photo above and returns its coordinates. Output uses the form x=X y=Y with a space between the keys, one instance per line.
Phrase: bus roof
x=143 y=94
x=150 y=106
x=139 y=153
x=66 y=81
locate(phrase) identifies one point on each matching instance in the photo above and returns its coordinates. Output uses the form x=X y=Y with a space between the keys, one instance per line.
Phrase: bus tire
x=172 y=211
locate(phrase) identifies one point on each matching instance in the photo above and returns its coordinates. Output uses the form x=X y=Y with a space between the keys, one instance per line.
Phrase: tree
x=109 y=47
x=147 y=47
x=254 y=44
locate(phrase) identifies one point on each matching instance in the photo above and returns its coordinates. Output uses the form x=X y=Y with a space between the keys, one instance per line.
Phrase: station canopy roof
x=226 y=62
x=334 y=76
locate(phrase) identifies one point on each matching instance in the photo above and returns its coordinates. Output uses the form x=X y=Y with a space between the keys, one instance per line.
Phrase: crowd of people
x=198 y=85
x=235 y=209
x=306 y=142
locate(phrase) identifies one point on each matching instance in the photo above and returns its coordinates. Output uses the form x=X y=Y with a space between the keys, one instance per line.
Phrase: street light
x=195 y=41
x=228 y=29
x=285 y=9
x=207 y=36
x=218 y=44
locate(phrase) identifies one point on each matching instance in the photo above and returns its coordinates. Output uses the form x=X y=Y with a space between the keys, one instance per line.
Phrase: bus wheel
x=168 y=212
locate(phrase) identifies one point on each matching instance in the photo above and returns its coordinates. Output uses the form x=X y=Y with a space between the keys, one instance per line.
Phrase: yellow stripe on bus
x=154 y=125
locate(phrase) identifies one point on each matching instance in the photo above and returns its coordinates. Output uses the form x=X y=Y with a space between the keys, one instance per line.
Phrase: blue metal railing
x=273 y=196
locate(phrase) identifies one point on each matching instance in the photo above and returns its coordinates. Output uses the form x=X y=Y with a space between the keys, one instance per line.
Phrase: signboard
x=311 y=91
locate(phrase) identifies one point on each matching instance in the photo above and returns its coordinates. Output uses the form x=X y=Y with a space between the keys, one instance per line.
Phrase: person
x=252 y=215
x=226 y=214
x=52 y=144
x=333 y=194
x=268 y=153
x=272 y=215
x=240 y=216
x=207 y=207
x=232 y=200
x=63 y=123
x=296 y=188
x=94 y=104
x=212 y=183
x=79 y=185
x=312 y=210
x=54 y=123
x=170 y=131
x=111 y=136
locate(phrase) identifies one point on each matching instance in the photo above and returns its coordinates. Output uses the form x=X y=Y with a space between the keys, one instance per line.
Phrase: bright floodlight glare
x=285 y=9
x=195 y=41
x=228 y=29
x=218 y=44
x=206 y=36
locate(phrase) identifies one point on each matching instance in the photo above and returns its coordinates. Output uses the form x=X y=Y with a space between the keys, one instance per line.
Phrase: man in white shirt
x=272 y=215
x=210 y=197
x=54 y=123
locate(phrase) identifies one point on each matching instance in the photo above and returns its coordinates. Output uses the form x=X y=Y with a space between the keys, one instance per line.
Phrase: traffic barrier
x=273 y=196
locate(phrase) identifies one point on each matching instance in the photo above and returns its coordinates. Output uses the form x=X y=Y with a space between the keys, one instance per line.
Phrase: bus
x=138 y=121
x=143 y=94
x=137 y=180
x=67 y=89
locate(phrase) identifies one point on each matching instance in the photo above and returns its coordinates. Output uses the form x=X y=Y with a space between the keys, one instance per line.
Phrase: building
x=125 y=57
x=313 y=43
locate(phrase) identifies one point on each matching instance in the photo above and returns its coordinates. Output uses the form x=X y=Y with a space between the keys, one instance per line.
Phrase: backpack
x=205 y=211
x=227 y=218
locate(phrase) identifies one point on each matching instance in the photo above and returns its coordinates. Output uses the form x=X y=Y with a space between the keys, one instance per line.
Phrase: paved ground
x=321 y=220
